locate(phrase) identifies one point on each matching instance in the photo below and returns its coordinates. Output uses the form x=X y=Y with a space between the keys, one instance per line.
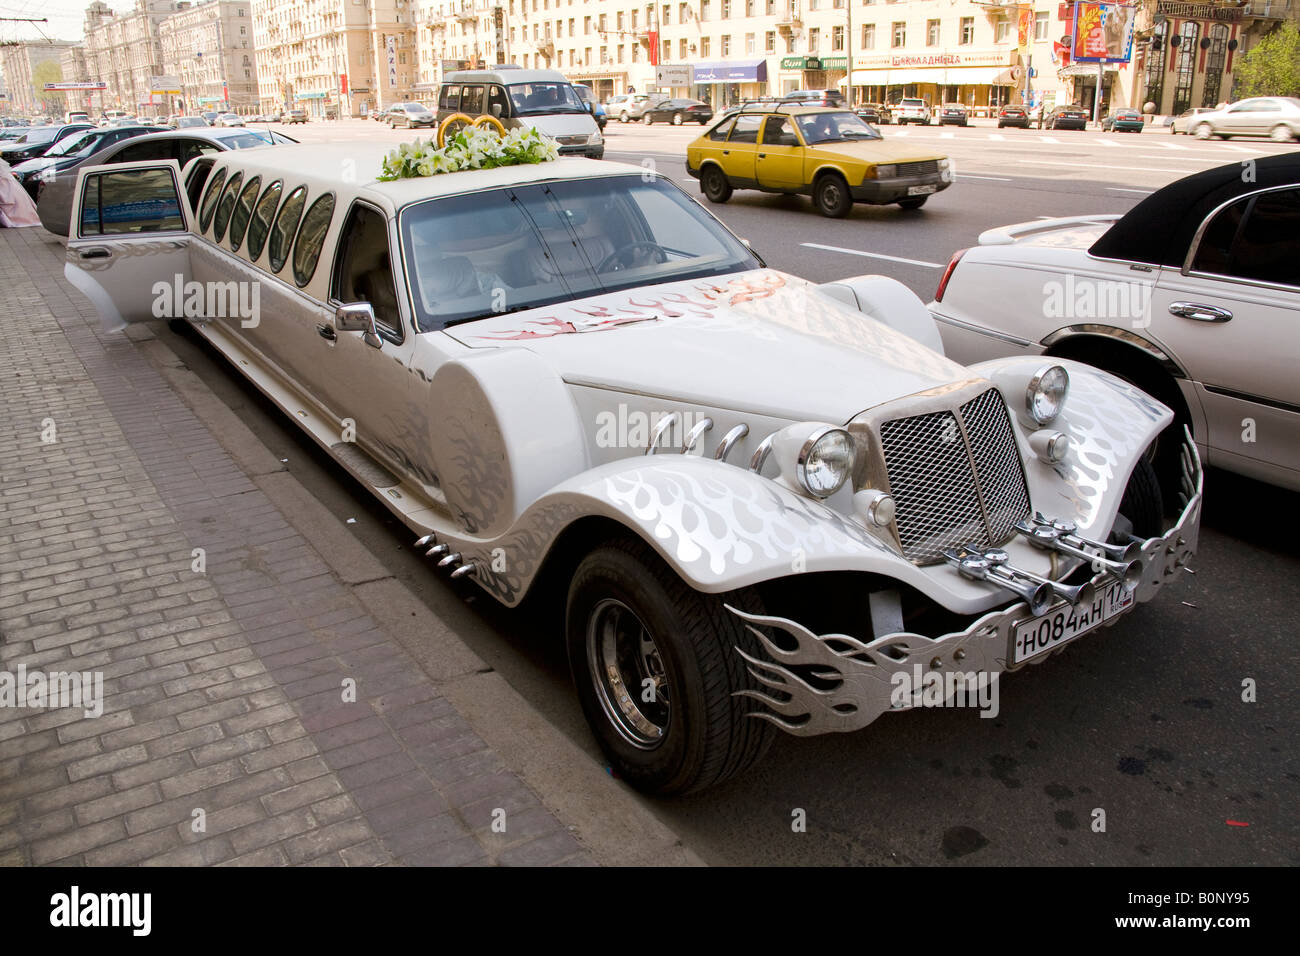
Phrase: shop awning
x=736 y=71
x=946 y=76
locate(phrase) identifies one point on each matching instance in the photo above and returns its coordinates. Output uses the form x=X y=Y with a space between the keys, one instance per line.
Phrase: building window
x=726 y=9
x=769 y=41
x=967 y=30
x=814 y=40
x=704 y=46
x=750 y=46
x=837 y=39
x=1042 y=23
x=1002 y=31
x=771 y=8
x=749 y=8
x=931 y=32
x=681 y=48
x=1185 y=68
x=868 y=36
x=1214 y=65
x=899 y=33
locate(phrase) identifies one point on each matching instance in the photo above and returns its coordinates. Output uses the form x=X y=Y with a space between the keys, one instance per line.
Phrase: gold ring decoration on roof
x=461 y=118
x=487 y=120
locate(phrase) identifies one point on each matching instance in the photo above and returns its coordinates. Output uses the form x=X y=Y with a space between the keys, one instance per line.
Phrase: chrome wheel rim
x=625 y=665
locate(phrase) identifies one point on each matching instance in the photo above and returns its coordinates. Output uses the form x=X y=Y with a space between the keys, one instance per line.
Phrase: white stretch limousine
x=767 y=501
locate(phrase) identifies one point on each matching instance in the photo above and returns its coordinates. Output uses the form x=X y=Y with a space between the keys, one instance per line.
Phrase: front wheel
x=714 y=183
x=656 y=670
x=622 y=117
x=677 y=119
x=832 y=197
x=1281 y=133
x=1204 y=131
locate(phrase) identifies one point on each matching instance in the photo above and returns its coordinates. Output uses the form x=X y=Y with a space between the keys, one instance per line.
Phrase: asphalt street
x=1141 y=728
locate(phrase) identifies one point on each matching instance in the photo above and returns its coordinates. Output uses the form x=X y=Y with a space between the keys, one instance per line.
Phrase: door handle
x=726 y=152
x=762 y=155
x=327 y=332
x=95 y=252
x=1201 y=313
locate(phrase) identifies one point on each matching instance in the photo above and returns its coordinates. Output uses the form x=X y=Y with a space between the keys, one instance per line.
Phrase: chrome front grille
x=956 y=477
x=923 y=168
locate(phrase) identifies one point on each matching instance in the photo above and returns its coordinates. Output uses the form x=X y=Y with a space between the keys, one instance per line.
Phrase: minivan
x=543 y=99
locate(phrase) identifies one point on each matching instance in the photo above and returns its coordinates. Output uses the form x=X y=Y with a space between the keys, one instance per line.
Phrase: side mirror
x=496 y=110
x=358 y=317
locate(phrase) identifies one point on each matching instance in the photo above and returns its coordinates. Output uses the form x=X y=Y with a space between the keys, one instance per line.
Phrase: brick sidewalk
x=223 y=691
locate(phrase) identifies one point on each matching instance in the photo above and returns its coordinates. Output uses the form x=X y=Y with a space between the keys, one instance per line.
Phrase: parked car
x=1193 y=296
x=529 y=99
x=912 y=109
x=1067 y=117
x=1277 y=117
x=953 y=114
x=632 y=106
x=37 y=141
x=190 y=122
x=690 y=634
x=109 y=117
x=410 y=116
x=880 y=111
x=596 y=110
x=54 y=195
x=826 y=153
x=229 y=120
x=71 y=150
x=1182 y=123
x=1013 y=116
x=678 y=111
x=296 y=116
x=210 y=117
x=1123 y=121
x=815 y=97
x=77 y=116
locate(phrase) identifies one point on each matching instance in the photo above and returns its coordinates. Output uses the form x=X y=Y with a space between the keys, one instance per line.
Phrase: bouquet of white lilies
x=471 y=148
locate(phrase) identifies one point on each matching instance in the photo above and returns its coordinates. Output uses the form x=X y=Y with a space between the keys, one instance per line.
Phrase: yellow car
x=826 y=153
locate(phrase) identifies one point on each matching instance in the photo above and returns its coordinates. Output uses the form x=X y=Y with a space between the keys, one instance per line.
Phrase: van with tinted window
x=543 y=99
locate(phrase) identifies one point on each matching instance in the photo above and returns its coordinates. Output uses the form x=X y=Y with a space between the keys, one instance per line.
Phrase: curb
x=610 y=820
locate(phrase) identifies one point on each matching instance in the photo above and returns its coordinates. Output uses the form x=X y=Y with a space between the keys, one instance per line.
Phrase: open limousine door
x=129 y=236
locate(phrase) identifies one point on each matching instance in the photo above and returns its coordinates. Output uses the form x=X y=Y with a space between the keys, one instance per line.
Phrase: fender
x=889 y=302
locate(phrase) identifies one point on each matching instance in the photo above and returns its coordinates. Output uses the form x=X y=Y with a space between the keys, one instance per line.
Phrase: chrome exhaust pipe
x=977 y=567
x=1049 y=537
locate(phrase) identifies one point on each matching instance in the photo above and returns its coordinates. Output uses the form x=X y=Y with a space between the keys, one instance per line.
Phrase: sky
x=65 y=18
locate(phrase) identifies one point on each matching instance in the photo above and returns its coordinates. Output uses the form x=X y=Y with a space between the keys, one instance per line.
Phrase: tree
x=1272 y=67
x=47 y=71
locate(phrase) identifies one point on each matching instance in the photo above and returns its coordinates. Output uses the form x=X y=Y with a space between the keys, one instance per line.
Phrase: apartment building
x=334 y=57
x=24 y=78
x=209 y=48
x=123 y=50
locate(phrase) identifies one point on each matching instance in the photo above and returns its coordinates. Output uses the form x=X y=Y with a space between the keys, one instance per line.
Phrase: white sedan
x=1193 y=296
x=229 y=119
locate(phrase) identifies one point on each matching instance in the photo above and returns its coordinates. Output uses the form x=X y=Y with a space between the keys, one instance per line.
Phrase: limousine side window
x=130 y=201
x=210 y=199
x=226 y=206
x=286 y=224
x=261 y=223
x=364 y=272
x=194 y=180
x=311 y=237
x=243 y=210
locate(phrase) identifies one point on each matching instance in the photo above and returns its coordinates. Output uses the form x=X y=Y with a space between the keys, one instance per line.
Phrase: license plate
x=1065 y=622
x=920 y=190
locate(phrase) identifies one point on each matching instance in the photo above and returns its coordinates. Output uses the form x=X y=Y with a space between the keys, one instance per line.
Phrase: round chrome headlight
x=1045 y=396
x=825 y=461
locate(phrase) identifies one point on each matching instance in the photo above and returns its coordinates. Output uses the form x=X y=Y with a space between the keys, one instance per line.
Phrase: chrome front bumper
x=855 y=680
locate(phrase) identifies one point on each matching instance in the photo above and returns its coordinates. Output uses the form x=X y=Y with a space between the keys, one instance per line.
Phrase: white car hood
x=561 y=124
x=760 y=341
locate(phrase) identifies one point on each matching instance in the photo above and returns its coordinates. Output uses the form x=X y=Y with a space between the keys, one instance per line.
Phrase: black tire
x=915 y=203
x=714 y=184
x=831 y=196
x=677 y=119
x=1143 y=504
x=709 y=735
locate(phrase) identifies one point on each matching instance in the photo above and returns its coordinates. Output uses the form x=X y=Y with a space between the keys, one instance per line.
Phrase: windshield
x=834 y=128
x=38 y=136
x=505 y=250
x=248 y=138
x=75 y=144
x=530 y=99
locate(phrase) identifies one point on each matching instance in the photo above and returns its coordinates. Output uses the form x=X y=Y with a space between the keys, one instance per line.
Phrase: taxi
x=830 y=154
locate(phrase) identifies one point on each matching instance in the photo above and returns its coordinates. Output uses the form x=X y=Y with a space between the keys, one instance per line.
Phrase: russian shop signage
x=1197 y=11
x=801 y=63
x=891 y=61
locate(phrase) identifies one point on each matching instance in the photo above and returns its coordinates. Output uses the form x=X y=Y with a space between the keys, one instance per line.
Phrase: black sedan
x=678 y=112
x=953 y=114
x=38 y=140
x=71 y=150
x=1013 y=116
x=1067 y=117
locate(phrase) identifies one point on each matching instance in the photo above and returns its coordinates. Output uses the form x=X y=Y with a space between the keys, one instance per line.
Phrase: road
x=1144 y=721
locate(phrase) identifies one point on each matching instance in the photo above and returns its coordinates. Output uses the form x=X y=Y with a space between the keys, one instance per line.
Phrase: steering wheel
x=618 y=256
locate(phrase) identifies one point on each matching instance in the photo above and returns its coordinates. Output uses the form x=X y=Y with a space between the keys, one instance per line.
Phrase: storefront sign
x=1198 y=11
x=898 y=60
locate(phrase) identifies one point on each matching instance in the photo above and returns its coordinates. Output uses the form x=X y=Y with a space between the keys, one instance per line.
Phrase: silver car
x=1277 y=117
x=54 y=197
x=630 y=107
